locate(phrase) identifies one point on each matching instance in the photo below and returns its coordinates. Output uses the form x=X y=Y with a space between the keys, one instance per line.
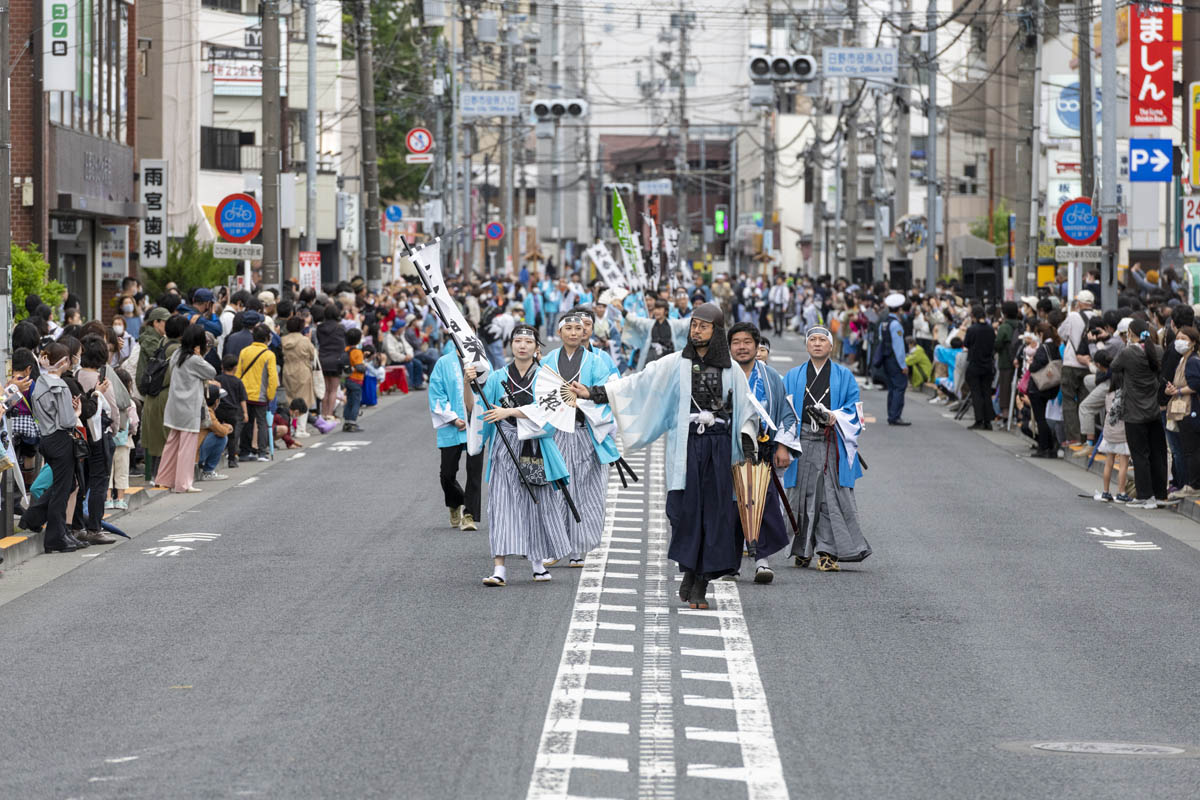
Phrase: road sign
x=238 y=218
x=490 y=104
x=418 y=158
x=494 y=231
x=1191 y=226
x=1150 y=160
x=1076 y=223
x=240 y=252
x=660 y=186
x=1071 y=253
x=394 y=213
x=419 y=140
x=860 y=62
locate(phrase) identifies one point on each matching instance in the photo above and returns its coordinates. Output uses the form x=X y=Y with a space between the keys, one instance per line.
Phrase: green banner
x=629 y=253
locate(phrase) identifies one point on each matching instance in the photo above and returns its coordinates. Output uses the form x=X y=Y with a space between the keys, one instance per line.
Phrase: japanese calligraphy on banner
x=59 y=35
x=153 y=228
x=1151 y=87
x=310 y=270
x=428 y=263
x=606 y=266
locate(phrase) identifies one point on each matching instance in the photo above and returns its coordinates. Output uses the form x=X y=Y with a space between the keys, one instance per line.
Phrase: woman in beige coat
x=299 y=355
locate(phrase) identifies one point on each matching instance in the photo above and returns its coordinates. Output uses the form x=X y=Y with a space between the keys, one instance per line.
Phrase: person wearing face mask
x=128 y=317
x=57 y=414
x=1183 y=408
x=125 y=341
x=1136 y=369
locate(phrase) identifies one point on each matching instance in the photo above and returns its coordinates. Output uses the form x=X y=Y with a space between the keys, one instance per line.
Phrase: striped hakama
x=517 y=527
x=827 y=511
x=589 y=488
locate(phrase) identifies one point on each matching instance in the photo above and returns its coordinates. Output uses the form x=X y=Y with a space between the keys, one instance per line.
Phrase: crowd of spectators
x=186 y=386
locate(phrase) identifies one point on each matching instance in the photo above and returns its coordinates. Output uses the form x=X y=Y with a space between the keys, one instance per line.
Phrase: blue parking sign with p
x=1151 y=161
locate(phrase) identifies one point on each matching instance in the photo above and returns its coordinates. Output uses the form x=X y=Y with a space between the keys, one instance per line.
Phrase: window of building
x=220 y=149
x=232 y=6
x=98 y=105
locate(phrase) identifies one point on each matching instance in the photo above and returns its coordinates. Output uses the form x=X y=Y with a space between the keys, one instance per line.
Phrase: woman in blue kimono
x=516 y=525
x=820 y=483
x=590 y=448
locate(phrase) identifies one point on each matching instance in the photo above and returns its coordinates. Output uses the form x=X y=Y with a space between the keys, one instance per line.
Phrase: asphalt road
x=334 y=641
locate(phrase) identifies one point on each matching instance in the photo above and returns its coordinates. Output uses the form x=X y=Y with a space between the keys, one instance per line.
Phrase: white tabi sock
x=500 y=572
x=761 y=562
x=538 y=566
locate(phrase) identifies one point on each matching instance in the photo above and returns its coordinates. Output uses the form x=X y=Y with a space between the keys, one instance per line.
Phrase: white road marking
x=656 y=730
x=593 y=726
x=628 y=561
x=692 y=651
x=708 y=735
x=597 y=669
x=599 y=694
x=568 y=761
x=616 y=626
x=698 y=701
x=120 y=760
x=718 y=773
x=609 y=647
x=249 y=481
x=625 y=539
x=315 y=445
x=700 y=632
x=1114 y=532
x=760 y=754
x=715 y=677
x=294 y=456
x=626 y=609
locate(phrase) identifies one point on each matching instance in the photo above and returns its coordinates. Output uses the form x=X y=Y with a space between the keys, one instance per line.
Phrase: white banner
x=655 y=261
x=675 y=263
x=152 y=193
x=606 y=266
x=428 y=263
x=60 y=35
x=310 y=270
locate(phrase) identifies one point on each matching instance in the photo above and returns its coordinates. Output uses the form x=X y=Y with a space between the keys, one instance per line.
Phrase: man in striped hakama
x=516 y=525
x=700 y=400
x=589 y=449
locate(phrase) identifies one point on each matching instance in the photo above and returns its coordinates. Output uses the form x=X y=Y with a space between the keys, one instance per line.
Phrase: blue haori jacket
x=658 y=400
x=446 y=400
x=480 y=433
x=781 y=422
x=843 y=402
x=593 y=371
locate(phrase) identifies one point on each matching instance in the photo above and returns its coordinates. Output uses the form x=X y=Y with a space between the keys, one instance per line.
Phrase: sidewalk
x=23 y=545
x=1078 y=455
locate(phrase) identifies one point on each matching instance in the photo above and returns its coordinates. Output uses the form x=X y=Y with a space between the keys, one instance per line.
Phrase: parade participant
x=517 y=526
x=820 y=483
x=889 y=357
x=589 y=325
x=776 y=440
x=764 y=349
x=657 y=336
x=450 y=420
x=589 y=449
x=700 y=401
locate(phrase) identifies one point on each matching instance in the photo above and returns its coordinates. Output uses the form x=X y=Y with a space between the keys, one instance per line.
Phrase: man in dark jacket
x=981 y=349
x=242 y=336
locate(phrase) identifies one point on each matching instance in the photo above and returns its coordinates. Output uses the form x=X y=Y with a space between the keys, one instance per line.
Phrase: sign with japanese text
x=1076 y=223
x=152 y=230
x=1191 y=226
x=58 y=45
x=428 y=263
x=860 y=62
x=1193 y=108
x=1151 y=87
x=310 y=270
x=114 y=253
x=489 y=104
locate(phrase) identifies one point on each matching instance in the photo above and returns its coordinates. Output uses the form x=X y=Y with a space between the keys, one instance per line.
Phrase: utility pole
x=6 y=509
x=1108 y=112
x=310 y=128
x=852 y=182
x=931 y=179
x=271 y=138
x=681 y=159
x=507 y=128
x=450 y=196
x=903 y=125
x=768 y=146
x=877 y=183
x=1028 y=78
x=1087 y=113
x=468 y=146
x=439 y=132
x=370 y=162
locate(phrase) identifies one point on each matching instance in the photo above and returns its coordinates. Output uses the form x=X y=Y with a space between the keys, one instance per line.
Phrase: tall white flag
x=428 y=261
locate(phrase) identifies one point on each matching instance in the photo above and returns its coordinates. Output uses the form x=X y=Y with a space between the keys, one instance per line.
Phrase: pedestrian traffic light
x=554 y=109
x=719 y=220
x=765 y=68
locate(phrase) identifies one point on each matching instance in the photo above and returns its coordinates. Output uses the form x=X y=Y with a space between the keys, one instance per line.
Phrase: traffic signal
x=567 y=107
x=801 y=68
x=720 y=215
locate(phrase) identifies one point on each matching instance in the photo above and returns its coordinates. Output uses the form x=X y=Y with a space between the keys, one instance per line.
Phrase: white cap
x=1123 y=325
x=894 y=300
x=1085 y=296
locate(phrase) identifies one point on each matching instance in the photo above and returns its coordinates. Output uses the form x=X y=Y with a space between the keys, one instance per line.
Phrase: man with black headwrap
x=700 y=400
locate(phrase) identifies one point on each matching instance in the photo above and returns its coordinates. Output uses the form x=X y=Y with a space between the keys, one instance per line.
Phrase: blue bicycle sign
x=238 y=218
x=1076 y=223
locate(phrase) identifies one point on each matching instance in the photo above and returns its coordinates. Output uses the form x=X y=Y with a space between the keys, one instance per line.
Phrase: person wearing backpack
x=152 y=361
